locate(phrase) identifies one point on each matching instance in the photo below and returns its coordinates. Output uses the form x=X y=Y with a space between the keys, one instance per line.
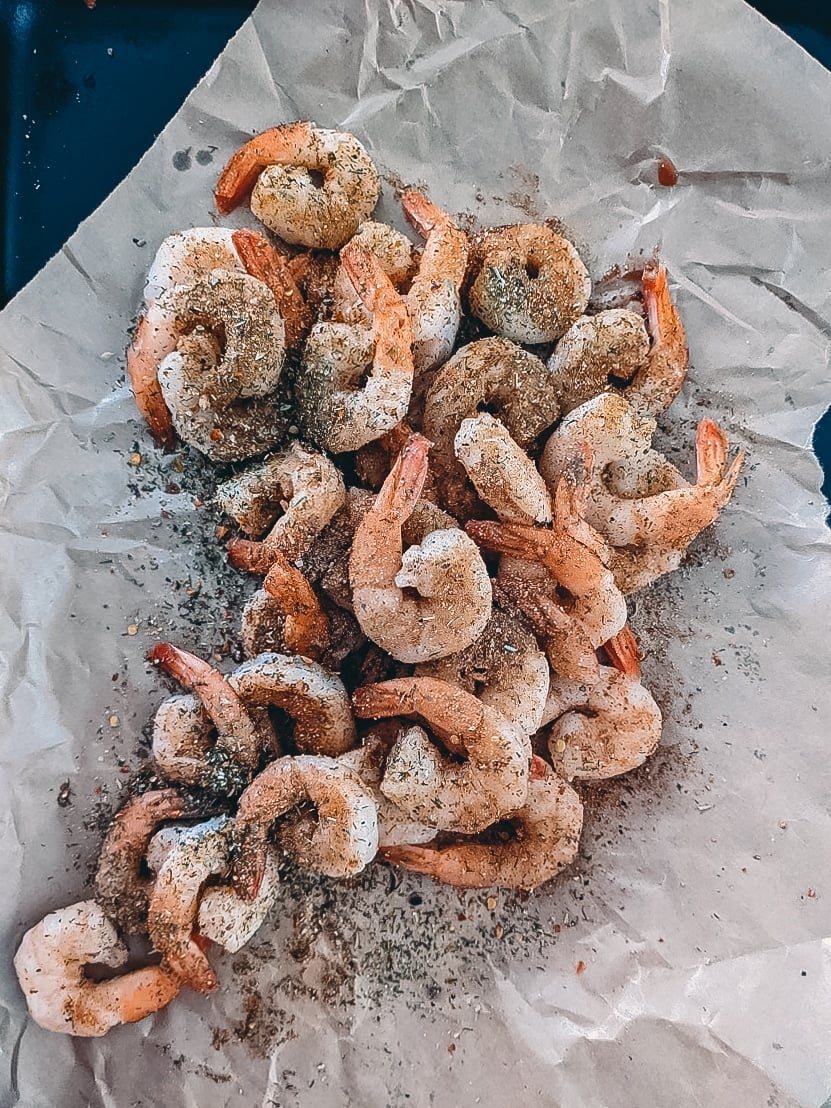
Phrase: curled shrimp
x=286 y=595
x=431 y=787
x=50 y=964
x=297 y=492
x=120 y=886
x=501 y=472
x=513 y=383
x=613 y=343
x=344 y=839
x=544 y=839
x=531 y=284
x=660 y=377
x=453 y=601
x=276 y=166
x=337 y=412
x=635 y=498
x=504 y=668
x=433 y=300
x=199 y=853
x=395 y=256
x=601 y=729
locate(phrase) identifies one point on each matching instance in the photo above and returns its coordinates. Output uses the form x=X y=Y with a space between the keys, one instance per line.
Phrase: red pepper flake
x=451 y=1048
x=812 y=893
x=581 y=967
x=717 y=661
x=729 y=573
x=667 y=173
x=216 y=435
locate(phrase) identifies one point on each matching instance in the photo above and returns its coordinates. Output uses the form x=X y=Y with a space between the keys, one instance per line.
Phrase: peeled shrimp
x=504 y=668
x=199 y=853
x=339 y=413
x=446 y=570
x=531 y=284
x=278 y=164
x=432 y=788
x=545 y=839
x=182 y=258
x=299 y=488
x=433 y=300
x=344 y=839
x=659 y=379
x=512 y=382
x=50 y=964
x=636 y=499
x=595 y=347
x=601 y=729
x=120 y=887
x=286 y=595
x=502 y=473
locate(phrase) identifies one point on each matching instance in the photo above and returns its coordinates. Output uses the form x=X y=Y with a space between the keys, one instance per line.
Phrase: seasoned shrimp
x=544 y=840
x=433 y=300
x=492 y=372
x=337 y=412
x=453 y=601
x=601 y=729
x=502 y=473
x=315 y=699
x=344 y=839
x=300 y=486
x=432 y=788
x=199 y=853
x=531 y=284
x=262 y=261
x=50 y=964
x=120 y=887
x=395 y=256
x=659 y=379
x=504 y=668
x=278 y=164
x=612 y=343
x=636 y=499
x=286 y=595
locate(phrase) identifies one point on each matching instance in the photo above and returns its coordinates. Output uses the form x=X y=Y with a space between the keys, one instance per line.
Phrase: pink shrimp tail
x=142 y=364
x=244 y=167
x=420 y=213
x=248 y=554
x=405 y=481
x=624 y=652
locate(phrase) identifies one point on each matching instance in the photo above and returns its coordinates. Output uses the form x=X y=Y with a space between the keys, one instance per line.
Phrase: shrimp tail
x=624 y=652
x=307 y=628
x=419 y=859
x=150 y=989
x=263 y=261
x=249 y=867
x=514 y=539
x=371 y=283
x=142 y=363
x=405 y=482
x=420 y=213
x=711 y=447
x=244 y=167
x=250 y=555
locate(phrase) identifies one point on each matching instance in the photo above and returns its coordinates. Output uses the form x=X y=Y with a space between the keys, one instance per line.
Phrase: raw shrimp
x=182 y=258
x=431 y=787
x=544 y=840
x=504 y=668
x=50 y=963
x=433 y=300
x=199 y=853
x=344 y=839
x=300 y=486
x=279 y=163
x=219 y=380
x=446 y=570
x=502 y=473
x=601 y=729
x=313 y=697
x=223 y=916
x=493 y=372
x=531 y=284
x=659 y=379
x=338 y=412
x=286 y=595
x=636 y=499
x=120 y=887
x=611 y=343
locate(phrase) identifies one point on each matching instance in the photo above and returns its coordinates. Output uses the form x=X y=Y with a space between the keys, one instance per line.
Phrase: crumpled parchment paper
x=701 y=904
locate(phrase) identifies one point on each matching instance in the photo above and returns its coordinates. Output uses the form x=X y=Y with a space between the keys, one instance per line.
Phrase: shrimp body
x=611 y=343
x=292 y=496
x=544 y=840
x=337 y=411
x=426 y=784
x=453 y=601
x=277 y=164
x=433 y=301
x=199 y=853
x=343 y=840
x=502 y=473
x=601 y=729
x=512 y=382
x=50 y=963
x=531 y=284
x=659 y=379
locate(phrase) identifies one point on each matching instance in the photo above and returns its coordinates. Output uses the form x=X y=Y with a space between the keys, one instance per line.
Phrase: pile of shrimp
x=438 y=655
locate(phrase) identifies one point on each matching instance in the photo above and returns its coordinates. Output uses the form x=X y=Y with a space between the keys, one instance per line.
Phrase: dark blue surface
x=84 y=93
